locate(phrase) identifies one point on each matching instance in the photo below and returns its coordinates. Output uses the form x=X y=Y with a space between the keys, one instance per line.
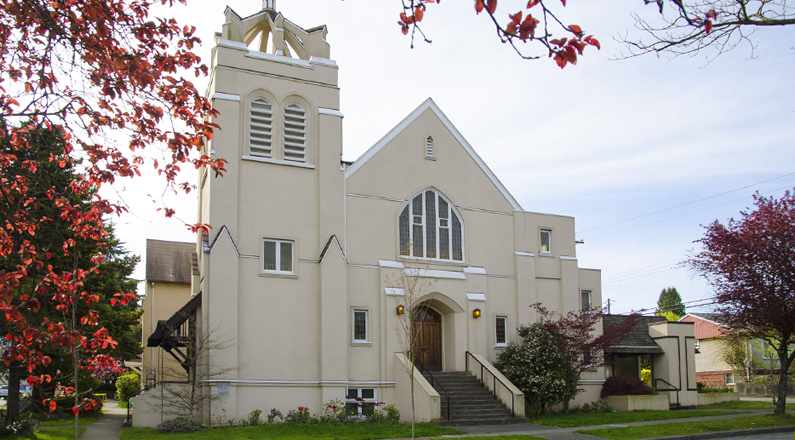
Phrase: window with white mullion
x=430 y=232
x=418 y=226
x=429 y=228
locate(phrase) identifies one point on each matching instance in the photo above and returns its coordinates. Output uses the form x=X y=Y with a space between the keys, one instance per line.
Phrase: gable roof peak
x=429 y=104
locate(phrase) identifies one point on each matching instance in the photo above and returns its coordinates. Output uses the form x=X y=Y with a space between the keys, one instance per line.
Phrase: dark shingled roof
x=637 y=341
x=169 y=261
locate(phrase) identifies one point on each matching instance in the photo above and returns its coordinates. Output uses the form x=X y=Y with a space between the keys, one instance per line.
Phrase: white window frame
x=497 y=342
x=590 y=300
x=366 y=339
x=278 y=257
x=697 y=344
x=354 y=401
x=548 y=233
x=733 y=378
x=440 y=224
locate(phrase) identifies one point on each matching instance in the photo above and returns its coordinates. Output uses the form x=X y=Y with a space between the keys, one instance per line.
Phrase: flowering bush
x=334 y=412
x=275 y=416
x=625 y=384
x=299 y=415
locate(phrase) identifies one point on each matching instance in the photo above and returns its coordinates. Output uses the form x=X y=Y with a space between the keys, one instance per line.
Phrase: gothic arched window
x=431 y=228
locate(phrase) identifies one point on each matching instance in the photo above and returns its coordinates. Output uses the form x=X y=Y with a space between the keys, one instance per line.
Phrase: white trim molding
x=524 y=254
x=568 y=258
x=476 y=297
x=475 y=270
x=330 y=112
x=394 y=291
x=432 y=273
x=390 y=263
x=226 y=96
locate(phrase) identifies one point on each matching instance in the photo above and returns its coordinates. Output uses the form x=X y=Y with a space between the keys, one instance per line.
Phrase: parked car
x=4 y=391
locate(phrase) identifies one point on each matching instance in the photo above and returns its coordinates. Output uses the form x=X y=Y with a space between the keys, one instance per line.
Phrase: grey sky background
x=642 y=152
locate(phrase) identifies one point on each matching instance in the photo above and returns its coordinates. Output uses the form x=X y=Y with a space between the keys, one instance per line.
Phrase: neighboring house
x=711 y=370
x=669 y=348
x=169 y=268
x=299 y=275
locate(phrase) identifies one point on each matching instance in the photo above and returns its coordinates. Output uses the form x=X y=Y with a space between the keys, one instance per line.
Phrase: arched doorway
x=427 y=327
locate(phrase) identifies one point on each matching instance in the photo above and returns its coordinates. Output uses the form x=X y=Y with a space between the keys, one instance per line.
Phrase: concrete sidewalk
x=553 y=433
x=107 y=427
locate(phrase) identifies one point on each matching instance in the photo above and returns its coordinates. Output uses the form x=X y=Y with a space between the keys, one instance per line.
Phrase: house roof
x=430 y=105
x=707 y=325
x=169 y=261
x=637 y=341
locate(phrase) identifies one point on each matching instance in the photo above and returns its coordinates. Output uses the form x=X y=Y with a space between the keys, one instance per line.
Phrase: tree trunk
x=783 y=363
x=12 y=401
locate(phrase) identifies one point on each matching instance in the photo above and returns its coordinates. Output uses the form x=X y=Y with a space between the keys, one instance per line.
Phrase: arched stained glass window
x=430 y=228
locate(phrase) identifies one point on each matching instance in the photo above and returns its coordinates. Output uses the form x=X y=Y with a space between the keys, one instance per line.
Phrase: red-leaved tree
x=582 y=343
x=107 y=76
x=536 y=28
x=750 y=262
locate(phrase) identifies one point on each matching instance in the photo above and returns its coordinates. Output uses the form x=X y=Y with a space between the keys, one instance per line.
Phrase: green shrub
x=126 y=385
x=253 y=419
x=275 y=416
x=625 y=384
x=22 y=427
x=702 y=388
x=180 y=424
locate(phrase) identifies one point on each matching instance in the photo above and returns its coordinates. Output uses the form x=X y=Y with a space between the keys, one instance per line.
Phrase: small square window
x=501 y=331
x=360 y=326
x=277 y=256
x=585 y=300
x=546 y=241
x=360 y=401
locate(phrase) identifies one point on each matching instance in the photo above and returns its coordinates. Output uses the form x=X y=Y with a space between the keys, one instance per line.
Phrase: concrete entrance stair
x=471 y=403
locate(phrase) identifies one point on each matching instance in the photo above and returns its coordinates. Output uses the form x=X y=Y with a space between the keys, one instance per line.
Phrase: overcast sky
x=642 y=152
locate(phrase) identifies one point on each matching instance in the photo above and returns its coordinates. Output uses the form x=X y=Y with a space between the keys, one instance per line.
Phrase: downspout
x=152 y=325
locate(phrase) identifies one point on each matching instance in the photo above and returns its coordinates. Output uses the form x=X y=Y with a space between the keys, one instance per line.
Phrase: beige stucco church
x=299 y=275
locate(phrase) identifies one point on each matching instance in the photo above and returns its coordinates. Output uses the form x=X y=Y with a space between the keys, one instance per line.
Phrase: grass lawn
x=84 y=420
x=506 y=437
x=59 y=433
x=685 y=428
x=355 y=431
x=590 y=419
x=746 y=405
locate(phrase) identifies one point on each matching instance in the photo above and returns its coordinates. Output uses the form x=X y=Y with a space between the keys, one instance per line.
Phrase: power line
x=687 y=203
x=677 y=216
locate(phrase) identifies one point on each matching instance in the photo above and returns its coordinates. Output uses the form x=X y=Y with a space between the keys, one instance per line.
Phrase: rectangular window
x=585 y=300
x=546 y=241
x=729 y=378
x=277 y=256
x=501 y=331
x=360 y=401
x=360 y=330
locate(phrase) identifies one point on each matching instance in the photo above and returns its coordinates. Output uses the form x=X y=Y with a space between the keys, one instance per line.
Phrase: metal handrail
x=673 y=388
x=495 y=379
x=422 y=368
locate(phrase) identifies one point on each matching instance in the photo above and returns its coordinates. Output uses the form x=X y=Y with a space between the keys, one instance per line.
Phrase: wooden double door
x=427 y=327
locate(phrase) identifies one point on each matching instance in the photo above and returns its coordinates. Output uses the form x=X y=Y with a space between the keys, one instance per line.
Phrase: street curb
x=721 y=434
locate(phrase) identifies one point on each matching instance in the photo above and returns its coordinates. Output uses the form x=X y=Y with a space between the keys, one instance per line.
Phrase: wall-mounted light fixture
x=400 y=309
x=476 y=313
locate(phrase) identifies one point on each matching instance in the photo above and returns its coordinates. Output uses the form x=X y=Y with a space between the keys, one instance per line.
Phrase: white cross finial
x=269 y=4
